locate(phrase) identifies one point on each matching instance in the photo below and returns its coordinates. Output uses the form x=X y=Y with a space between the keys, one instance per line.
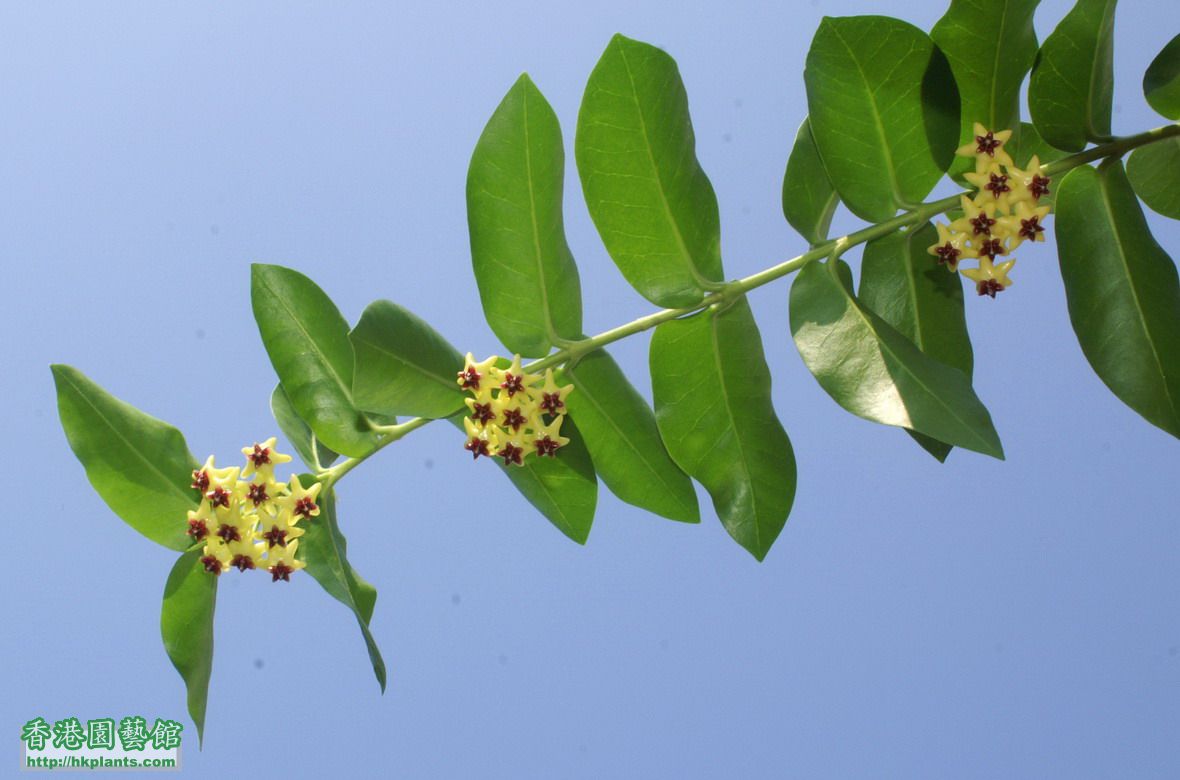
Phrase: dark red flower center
x=514 y=418
x=469 y=378
x=1029 y=228
x=229 y=533
x=280 y=571
x=257 y=494
x=219 y=496
x=512 y=383
x=198 y=529
x=482 y=413
x=982 y=224
x=242 y=562
x=551 y=403
x=998 y=184
x=546 y=447
x=992 y=248
x=987 y=144
x=948 y=255
x=1039 y=186
x=511 y=454
x=477 y=446
x=200 y=480
x=260 y=456
x=304 y=507
x=989 y=287
x=211 y=564
x=275 y=537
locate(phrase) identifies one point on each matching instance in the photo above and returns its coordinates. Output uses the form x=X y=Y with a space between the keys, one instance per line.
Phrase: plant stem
x=729 y=291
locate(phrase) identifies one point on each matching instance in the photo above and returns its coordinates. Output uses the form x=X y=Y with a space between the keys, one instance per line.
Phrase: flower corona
x=1003 y=214
x=513 y=414
x=247 y=519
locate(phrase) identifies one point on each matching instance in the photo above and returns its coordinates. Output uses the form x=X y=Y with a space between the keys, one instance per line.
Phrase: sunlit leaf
x=403 y=366
x=325 y=551
x=875 y=372
x=1161 y=82
x=885 y=133
x=903 y=283
x=526 y=274
x=1122 y=290
x=295 y=429
x=809 y=199
x=624 y=442
x=307 y=340
x=712 y=396
x=651 y=202
x=186 y=625
x=1072 y=85
x=140 y=466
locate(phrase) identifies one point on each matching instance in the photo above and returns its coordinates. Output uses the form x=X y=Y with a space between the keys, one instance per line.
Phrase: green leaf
x=186 y=625
x=313 y=453
x=875 y=372
x=324 y=550
x=902 y=283
x=307 y=340
x=564 y=488
x=712 y=396
x=1072 y=85
x=886 y=134
x=140 y=466
x=624 y=442
x=991 y=45
x=1161 y=82
x=809 y=199
x=527 y=278
x=403 y=366
x=651 y=202
x=1122 y=290
x=1154 y=171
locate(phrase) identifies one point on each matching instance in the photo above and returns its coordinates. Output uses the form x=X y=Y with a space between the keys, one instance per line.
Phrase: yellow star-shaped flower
x=549 y=396
x=262 y=458
x=978 y=218
x=994 y=186
x=990 y=278
x=478 y=376
x=1026 y=224
x=952 y=247
x=986 y=147
x=300 y=502
x=282 y=563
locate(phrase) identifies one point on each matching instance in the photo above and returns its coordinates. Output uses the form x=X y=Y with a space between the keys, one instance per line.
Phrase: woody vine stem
x=731 y=291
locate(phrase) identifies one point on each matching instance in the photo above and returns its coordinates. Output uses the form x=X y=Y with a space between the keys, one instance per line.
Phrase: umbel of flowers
x=247 y=519
x=514 y=414
x=1004 y=213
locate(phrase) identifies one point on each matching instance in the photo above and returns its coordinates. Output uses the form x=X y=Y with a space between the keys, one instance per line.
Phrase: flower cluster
x=247 y=519
x=1002 y=215
x=514 y=414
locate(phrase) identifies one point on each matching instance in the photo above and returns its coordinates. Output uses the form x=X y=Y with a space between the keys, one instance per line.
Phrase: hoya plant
x=555 y=412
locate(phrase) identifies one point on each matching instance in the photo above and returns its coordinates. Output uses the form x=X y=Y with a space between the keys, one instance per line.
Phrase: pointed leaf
x=1122 y=290
x=404 y=366
x=528 y=282
x=712 y=396
x=990 y=45
x=877 y=373
x=1072 y=85
x=904 y=285
x=809 y=199
x=325 y=551
x=307 y=341
x=314 y=454
x=140 y=466
x=886 y=134
x=651 y=202
x=186 y=625
x=624 y=442
x=1154 y=172
x=1161 y=82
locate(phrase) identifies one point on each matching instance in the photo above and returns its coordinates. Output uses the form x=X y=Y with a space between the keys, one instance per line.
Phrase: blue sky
x=972 y=619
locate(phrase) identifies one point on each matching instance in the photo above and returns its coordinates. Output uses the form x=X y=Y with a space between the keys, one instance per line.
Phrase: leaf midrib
x=127 y=442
